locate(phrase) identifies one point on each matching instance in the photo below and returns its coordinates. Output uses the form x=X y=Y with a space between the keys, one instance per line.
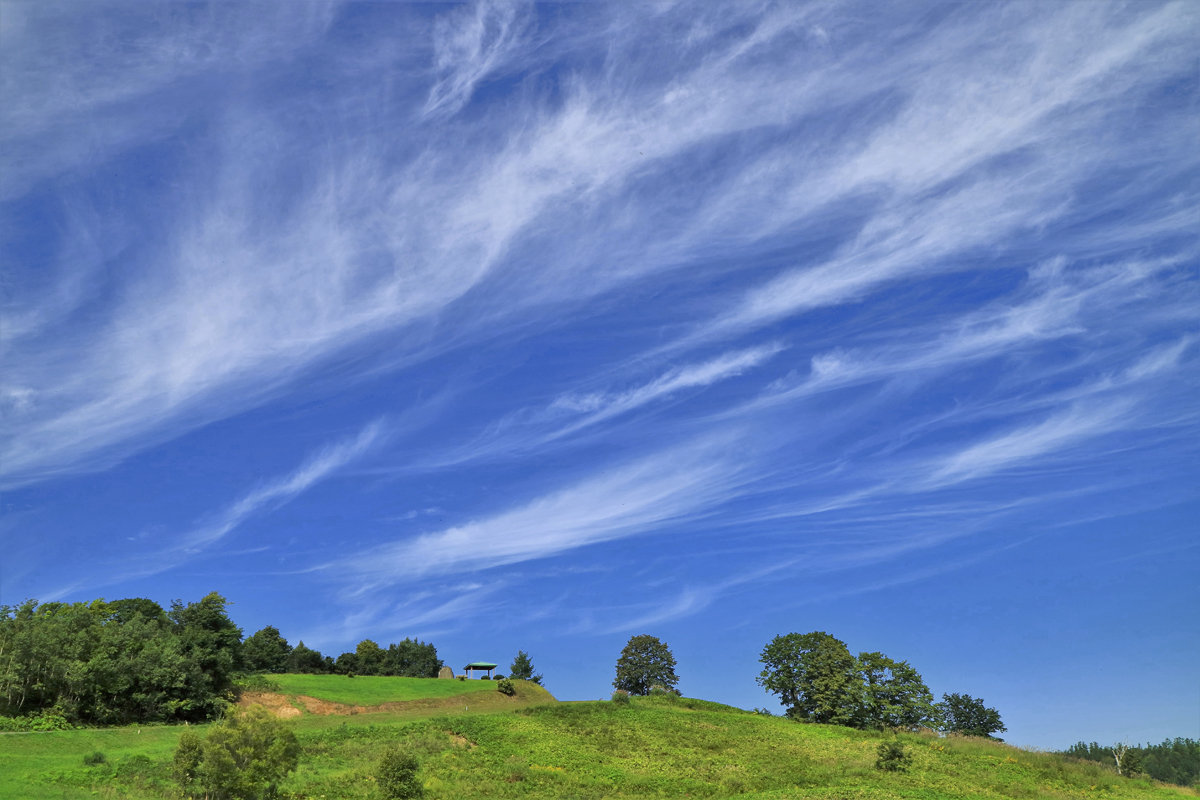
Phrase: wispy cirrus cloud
x=472 y=44
x=621 y=501
x=316 y=468
x=428 y=239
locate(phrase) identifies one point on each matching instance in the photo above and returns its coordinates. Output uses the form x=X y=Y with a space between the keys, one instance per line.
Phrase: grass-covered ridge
x=654 y=747
x=373 y=690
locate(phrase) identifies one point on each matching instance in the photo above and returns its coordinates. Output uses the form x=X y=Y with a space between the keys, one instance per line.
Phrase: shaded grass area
x=371 y=690
x=654 y=747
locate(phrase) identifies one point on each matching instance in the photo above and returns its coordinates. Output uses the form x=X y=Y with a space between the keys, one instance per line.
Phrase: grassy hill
x=373 y=690
x=536 y=748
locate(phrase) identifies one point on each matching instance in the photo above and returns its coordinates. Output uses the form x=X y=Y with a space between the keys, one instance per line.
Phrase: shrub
x=245 y=756
x=188 y=755
x=95 y=759
x=253 y=682
x=462 y=677
x=658 y=690
x=620 y=697
x=506 y=687
x=397 y=776
x=893 y=757
x=762 y=712
x=498 y=677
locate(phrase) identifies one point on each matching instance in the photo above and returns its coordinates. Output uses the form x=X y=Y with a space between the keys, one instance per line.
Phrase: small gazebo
x=481 y=666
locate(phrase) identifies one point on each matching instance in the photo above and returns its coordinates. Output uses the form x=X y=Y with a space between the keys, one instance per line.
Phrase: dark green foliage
x=397 y=776
x=506 y=687
x=497 y=677
x=893 y=757
x=1174 y=761
x=266 y=651
x=407 y=659
x=306 y=661
x=893 y=696
x=620 y=697
x=95 y=759
x=122 y=611
x=244 y=757
x=522 y=668
x=814 y=675
x=120 y=662
x=645 y=662
x=255 y=682
x=966 y=715
x=188 y=755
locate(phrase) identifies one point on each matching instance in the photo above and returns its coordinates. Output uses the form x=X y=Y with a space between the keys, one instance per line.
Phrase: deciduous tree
x=814 y=675
x=961 y=713
x=645 y=662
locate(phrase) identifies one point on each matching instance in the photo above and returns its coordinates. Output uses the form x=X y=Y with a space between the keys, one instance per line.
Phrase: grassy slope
x=373 y=690
x=653 y=748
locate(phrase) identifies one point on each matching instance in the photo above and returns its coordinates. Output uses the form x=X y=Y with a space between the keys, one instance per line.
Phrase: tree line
x=131 y=660
x=1173 y=761
x=818 y=680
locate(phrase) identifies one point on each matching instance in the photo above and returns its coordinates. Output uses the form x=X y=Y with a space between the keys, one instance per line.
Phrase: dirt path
x=285 y=706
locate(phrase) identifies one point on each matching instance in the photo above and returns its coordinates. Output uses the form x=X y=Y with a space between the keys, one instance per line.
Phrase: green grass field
x=374 y=690
x=655 y=747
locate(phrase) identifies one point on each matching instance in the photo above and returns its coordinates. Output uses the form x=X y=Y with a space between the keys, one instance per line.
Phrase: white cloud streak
x=624 y=501
x=315 y=469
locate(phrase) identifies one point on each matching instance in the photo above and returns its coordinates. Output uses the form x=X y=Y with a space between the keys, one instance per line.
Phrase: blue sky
x=538 y=327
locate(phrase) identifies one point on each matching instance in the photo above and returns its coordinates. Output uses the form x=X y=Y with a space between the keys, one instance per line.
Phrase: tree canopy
x=645 y=662
x=961 y=713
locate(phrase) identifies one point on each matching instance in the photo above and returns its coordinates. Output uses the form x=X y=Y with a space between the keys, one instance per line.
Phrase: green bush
x=498 y=677
x=397 y=776
x=245 y=756
x=253 y=682
x=893 y=757
x=95 y=759
x=620 y=697
x=506 y=687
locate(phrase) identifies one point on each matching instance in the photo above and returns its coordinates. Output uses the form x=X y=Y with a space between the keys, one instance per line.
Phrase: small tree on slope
x=522 y=668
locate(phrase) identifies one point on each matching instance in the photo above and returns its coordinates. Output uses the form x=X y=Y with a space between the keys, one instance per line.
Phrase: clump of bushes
x=498 y=677
x=507 y=687
x=245 y=756
x=893 y=757
x=462 y=677
x=397 y=775
x=95 y=759
x=620 y=697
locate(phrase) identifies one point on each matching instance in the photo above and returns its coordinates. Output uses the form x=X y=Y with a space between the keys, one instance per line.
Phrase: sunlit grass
x=652 y=748
x=372 y=690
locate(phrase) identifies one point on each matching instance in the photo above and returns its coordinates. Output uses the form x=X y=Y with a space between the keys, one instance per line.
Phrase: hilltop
x=533 y=746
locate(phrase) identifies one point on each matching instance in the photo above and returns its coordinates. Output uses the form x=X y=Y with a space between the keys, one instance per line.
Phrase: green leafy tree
x=815 y=677
x=188 y=755
x=645 y=662
x=963 y=714
x=244 y=757
x=893 y=695
x=397 y=776
x=370 y=657
x=306 y=660
x=266 y=651
x=411 y=659
x=211 y=644
x=522 y=668
x=122 y=611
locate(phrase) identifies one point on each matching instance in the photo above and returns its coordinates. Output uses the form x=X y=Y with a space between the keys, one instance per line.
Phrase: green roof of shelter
x=481 y=665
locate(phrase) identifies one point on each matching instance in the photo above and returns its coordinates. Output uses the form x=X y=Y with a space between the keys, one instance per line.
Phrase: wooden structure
x=480 y=666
